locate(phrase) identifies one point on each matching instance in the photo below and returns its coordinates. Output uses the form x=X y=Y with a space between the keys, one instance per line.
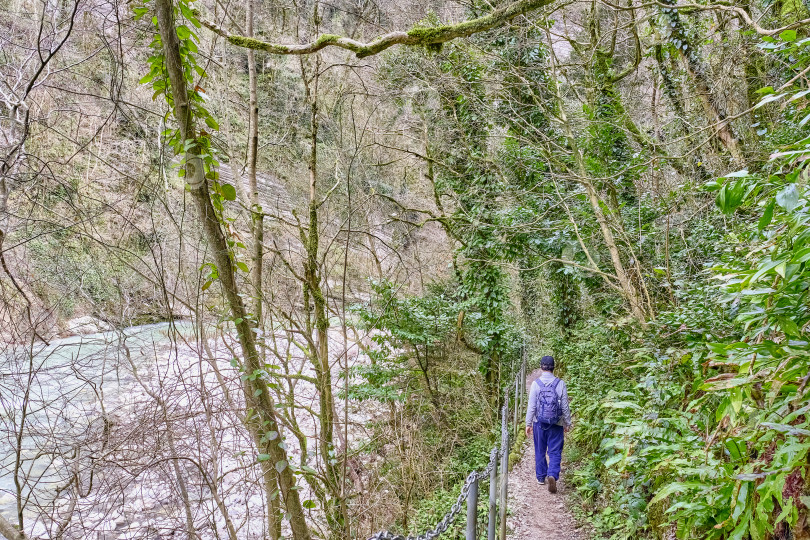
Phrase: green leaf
x=242 y=266
x=803 y=255
x=183 y=32
x=767 y=216
x=788 y=198
x=309 y=503
x=769 y=99
x=228 y=192
x=675 y=487
x=734 y=449
x=742 y=528
x=281 y=465
x=799 y=95
x=257 y=392
x=782 y=428
x=210 y=122
x=621 y=405
x=788 y=35
x=764 y=267
x=263 y=457
x=732 y=195
x=737 y=174
x=740 y=505
x=189 y=14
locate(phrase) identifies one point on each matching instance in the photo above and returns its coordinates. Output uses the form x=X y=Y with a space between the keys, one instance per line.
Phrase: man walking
x=548 y=419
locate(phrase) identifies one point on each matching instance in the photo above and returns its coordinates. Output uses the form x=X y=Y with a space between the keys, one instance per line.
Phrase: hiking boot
x=542 y=481
x=552 y=484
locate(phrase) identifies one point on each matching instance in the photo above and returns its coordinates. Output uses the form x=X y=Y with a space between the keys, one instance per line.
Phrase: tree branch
x=7 y=530
x=718 y=5
x=418 y=35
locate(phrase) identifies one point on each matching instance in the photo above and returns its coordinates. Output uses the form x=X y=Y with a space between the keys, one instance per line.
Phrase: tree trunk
x=262 y=421
x=10 y=532
x=257 y=216
x=714 y=110
x=673 y=93
x=630 y=293
x=335 y=509
x=257 y=234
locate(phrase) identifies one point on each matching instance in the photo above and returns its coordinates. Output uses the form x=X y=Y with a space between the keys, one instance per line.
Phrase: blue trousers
x=547 y=439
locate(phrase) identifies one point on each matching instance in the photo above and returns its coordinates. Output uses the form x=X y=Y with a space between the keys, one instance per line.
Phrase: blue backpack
x=548 y=410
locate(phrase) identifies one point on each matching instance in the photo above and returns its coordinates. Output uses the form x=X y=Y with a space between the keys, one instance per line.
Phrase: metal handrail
x=469 y=490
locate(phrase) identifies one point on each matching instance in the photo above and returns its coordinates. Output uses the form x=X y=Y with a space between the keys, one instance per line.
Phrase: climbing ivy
x=195 y=76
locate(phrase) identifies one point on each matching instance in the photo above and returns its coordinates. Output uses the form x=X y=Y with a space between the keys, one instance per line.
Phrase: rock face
x=86 y=325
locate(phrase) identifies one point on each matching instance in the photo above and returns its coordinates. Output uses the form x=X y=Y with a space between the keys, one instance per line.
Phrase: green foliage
x=710 y=431
x=419 y=367
x=410 y=333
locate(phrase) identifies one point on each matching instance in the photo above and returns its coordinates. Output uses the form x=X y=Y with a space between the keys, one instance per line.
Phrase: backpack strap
x=555 y=383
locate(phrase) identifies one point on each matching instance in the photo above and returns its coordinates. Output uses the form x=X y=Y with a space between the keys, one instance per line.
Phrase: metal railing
x=498 y=477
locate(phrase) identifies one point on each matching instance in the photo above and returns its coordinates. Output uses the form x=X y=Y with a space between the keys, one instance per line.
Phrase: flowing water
x=61 y=388
x=112 y=412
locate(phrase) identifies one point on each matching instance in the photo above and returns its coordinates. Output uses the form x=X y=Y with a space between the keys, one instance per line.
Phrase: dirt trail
x=536 y=514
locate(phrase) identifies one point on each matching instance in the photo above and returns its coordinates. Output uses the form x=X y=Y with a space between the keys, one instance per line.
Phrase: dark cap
x=547 y=363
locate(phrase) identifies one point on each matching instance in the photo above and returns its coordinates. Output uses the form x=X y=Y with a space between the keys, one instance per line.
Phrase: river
x=112 y=413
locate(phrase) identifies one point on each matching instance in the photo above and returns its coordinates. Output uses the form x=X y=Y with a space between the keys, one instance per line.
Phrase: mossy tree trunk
x=261 y=418
x=630 y=293
x=713 y=107
x=318 y=321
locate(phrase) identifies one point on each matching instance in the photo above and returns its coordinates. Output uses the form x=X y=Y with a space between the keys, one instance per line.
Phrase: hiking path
x=535 y=513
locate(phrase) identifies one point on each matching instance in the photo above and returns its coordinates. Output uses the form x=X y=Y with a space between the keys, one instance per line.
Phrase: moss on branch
x=420 y=35
x=427 y=35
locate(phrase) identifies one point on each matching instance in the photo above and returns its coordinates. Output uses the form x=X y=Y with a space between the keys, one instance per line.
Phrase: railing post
x=504 y=466
x=523 y=383
x=493 y=495
x=472 y=510
x=523 y=378
x=517 y=403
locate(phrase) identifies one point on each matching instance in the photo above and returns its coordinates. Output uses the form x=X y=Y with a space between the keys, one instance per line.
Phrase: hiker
x=548 y=419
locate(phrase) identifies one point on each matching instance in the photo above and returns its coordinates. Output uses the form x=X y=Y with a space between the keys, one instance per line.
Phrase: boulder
x=86 y=325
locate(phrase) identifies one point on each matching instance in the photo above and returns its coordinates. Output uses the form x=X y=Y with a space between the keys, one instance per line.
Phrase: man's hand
x=528 y=431
x=567 y=428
